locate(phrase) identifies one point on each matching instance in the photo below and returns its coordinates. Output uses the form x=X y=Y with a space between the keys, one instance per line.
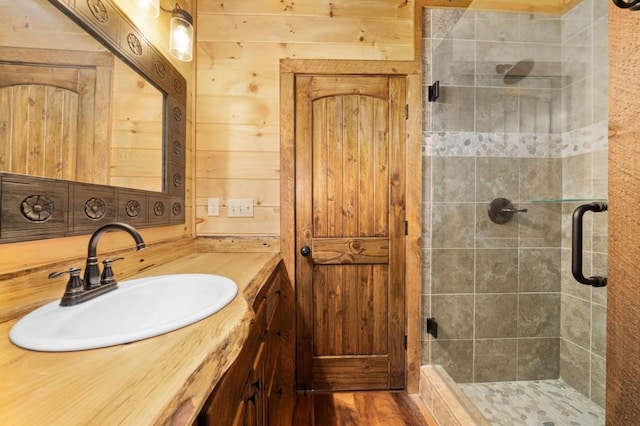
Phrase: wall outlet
x=213 y=207
x=240 y=207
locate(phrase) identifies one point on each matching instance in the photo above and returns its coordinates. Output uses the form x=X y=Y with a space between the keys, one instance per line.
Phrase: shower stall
x=515 y=109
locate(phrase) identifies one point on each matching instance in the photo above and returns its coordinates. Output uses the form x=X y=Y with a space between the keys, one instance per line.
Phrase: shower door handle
x=576 y=245
x=627 y=4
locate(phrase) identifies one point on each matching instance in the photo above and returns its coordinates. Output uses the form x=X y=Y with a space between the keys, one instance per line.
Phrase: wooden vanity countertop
x=160 y=380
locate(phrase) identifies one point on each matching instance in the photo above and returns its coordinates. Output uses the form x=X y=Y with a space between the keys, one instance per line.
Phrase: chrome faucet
x=94 y=283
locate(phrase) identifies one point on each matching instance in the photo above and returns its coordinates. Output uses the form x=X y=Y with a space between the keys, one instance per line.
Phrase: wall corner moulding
x=33 y=208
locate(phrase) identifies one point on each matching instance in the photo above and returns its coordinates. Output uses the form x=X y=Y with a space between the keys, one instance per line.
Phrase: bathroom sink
x=138 y=309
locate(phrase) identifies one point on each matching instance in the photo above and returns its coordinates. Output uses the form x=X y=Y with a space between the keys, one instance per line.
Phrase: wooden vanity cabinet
x=251 y=406
x=258 y=388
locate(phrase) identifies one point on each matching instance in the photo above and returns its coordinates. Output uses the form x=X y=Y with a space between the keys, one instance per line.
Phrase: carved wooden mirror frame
x=37 y=208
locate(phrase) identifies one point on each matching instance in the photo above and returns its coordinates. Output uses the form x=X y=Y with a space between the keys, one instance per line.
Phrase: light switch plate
x=240 y=207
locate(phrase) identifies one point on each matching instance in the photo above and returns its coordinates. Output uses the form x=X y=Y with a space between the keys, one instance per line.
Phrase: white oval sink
x=138 y=309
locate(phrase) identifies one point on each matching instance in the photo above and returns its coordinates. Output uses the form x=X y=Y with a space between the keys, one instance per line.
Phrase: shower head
x=515 y=73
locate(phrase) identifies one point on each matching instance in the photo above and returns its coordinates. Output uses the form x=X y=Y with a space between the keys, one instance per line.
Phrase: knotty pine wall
x=157 y=31
x=136 y=143
x=24 y=266
x=240 y=44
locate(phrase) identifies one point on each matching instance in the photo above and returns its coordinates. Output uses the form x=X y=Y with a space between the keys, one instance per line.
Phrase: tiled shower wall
x=505 y=306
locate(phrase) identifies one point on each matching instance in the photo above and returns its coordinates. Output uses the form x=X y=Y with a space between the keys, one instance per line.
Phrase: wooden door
x=623 y=288
x=350 y=214
x=42 y=117
x=54 y=114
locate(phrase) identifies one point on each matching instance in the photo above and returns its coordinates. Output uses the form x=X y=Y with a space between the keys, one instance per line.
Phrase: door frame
x=411 y=70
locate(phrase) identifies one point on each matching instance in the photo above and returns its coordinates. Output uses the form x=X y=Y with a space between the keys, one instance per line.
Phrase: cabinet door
x=274 y=340
x=276 y=410
x=242 y=416
x=281 y=348
x=251 y=410
x=231 y=401
x=256 y=395
x=258 y=389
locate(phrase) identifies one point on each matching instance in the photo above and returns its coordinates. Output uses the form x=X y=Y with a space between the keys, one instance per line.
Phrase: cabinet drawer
x=273 y=295
x=274 y=344
x=227 y=401
x=264 y=370
x=256 y=335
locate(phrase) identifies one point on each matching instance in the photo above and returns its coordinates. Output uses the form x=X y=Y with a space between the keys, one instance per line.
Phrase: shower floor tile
x=540 y=402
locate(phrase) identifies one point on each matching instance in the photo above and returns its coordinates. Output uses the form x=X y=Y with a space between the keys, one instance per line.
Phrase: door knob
x=305 y=251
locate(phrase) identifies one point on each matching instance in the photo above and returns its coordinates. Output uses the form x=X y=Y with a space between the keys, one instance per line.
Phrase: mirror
x=92 y=122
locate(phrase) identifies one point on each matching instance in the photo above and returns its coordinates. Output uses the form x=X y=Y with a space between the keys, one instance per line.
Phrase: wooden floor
x=360 y=408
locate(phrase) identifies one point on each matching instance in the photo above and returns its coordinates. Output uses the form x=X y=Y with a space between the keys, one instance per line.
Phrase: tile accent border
x=516 y=145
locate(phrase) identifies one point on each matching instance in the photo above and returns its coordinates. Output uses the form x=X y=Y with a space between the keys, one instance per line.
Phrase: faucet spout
x=92 y=272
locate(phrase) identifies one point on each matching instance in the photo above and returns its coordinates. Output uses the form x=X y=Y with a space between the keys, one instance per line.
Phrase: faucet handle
x=74 y=272
x=107 y=276
x=75 y=286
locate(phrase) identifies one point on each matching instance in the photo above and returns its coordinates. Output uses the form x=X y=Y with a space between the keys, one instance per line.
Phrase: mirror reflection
x=69 y=109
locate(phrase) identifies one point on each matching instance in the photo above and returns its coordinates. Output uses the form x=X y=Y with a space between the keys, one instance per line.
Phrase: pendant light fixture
x=181 y=35
x=180 y=26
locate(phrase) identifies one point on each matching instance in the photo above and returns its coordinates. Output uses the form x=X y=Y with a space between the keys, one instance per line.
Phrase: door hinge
x=434 y=91
x=406 y=111
x=406 y=227
x=432 y=327
x=406 y=340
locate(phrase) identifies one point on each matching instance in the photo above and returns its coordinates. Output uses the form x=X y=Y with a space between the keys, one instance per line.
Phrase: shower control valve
x=502 y=210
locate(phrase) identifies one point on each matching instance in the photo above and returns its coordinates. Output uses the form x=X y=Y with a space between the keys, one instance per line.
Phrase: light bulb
x=147 y=8
x=181 y=35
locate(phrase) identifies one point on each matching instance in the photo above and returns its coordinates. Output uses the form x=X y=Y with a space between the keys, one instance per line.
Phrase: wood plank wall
x=157 y=31
x=136 y=144
x=30 y=261
x=240 y=44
